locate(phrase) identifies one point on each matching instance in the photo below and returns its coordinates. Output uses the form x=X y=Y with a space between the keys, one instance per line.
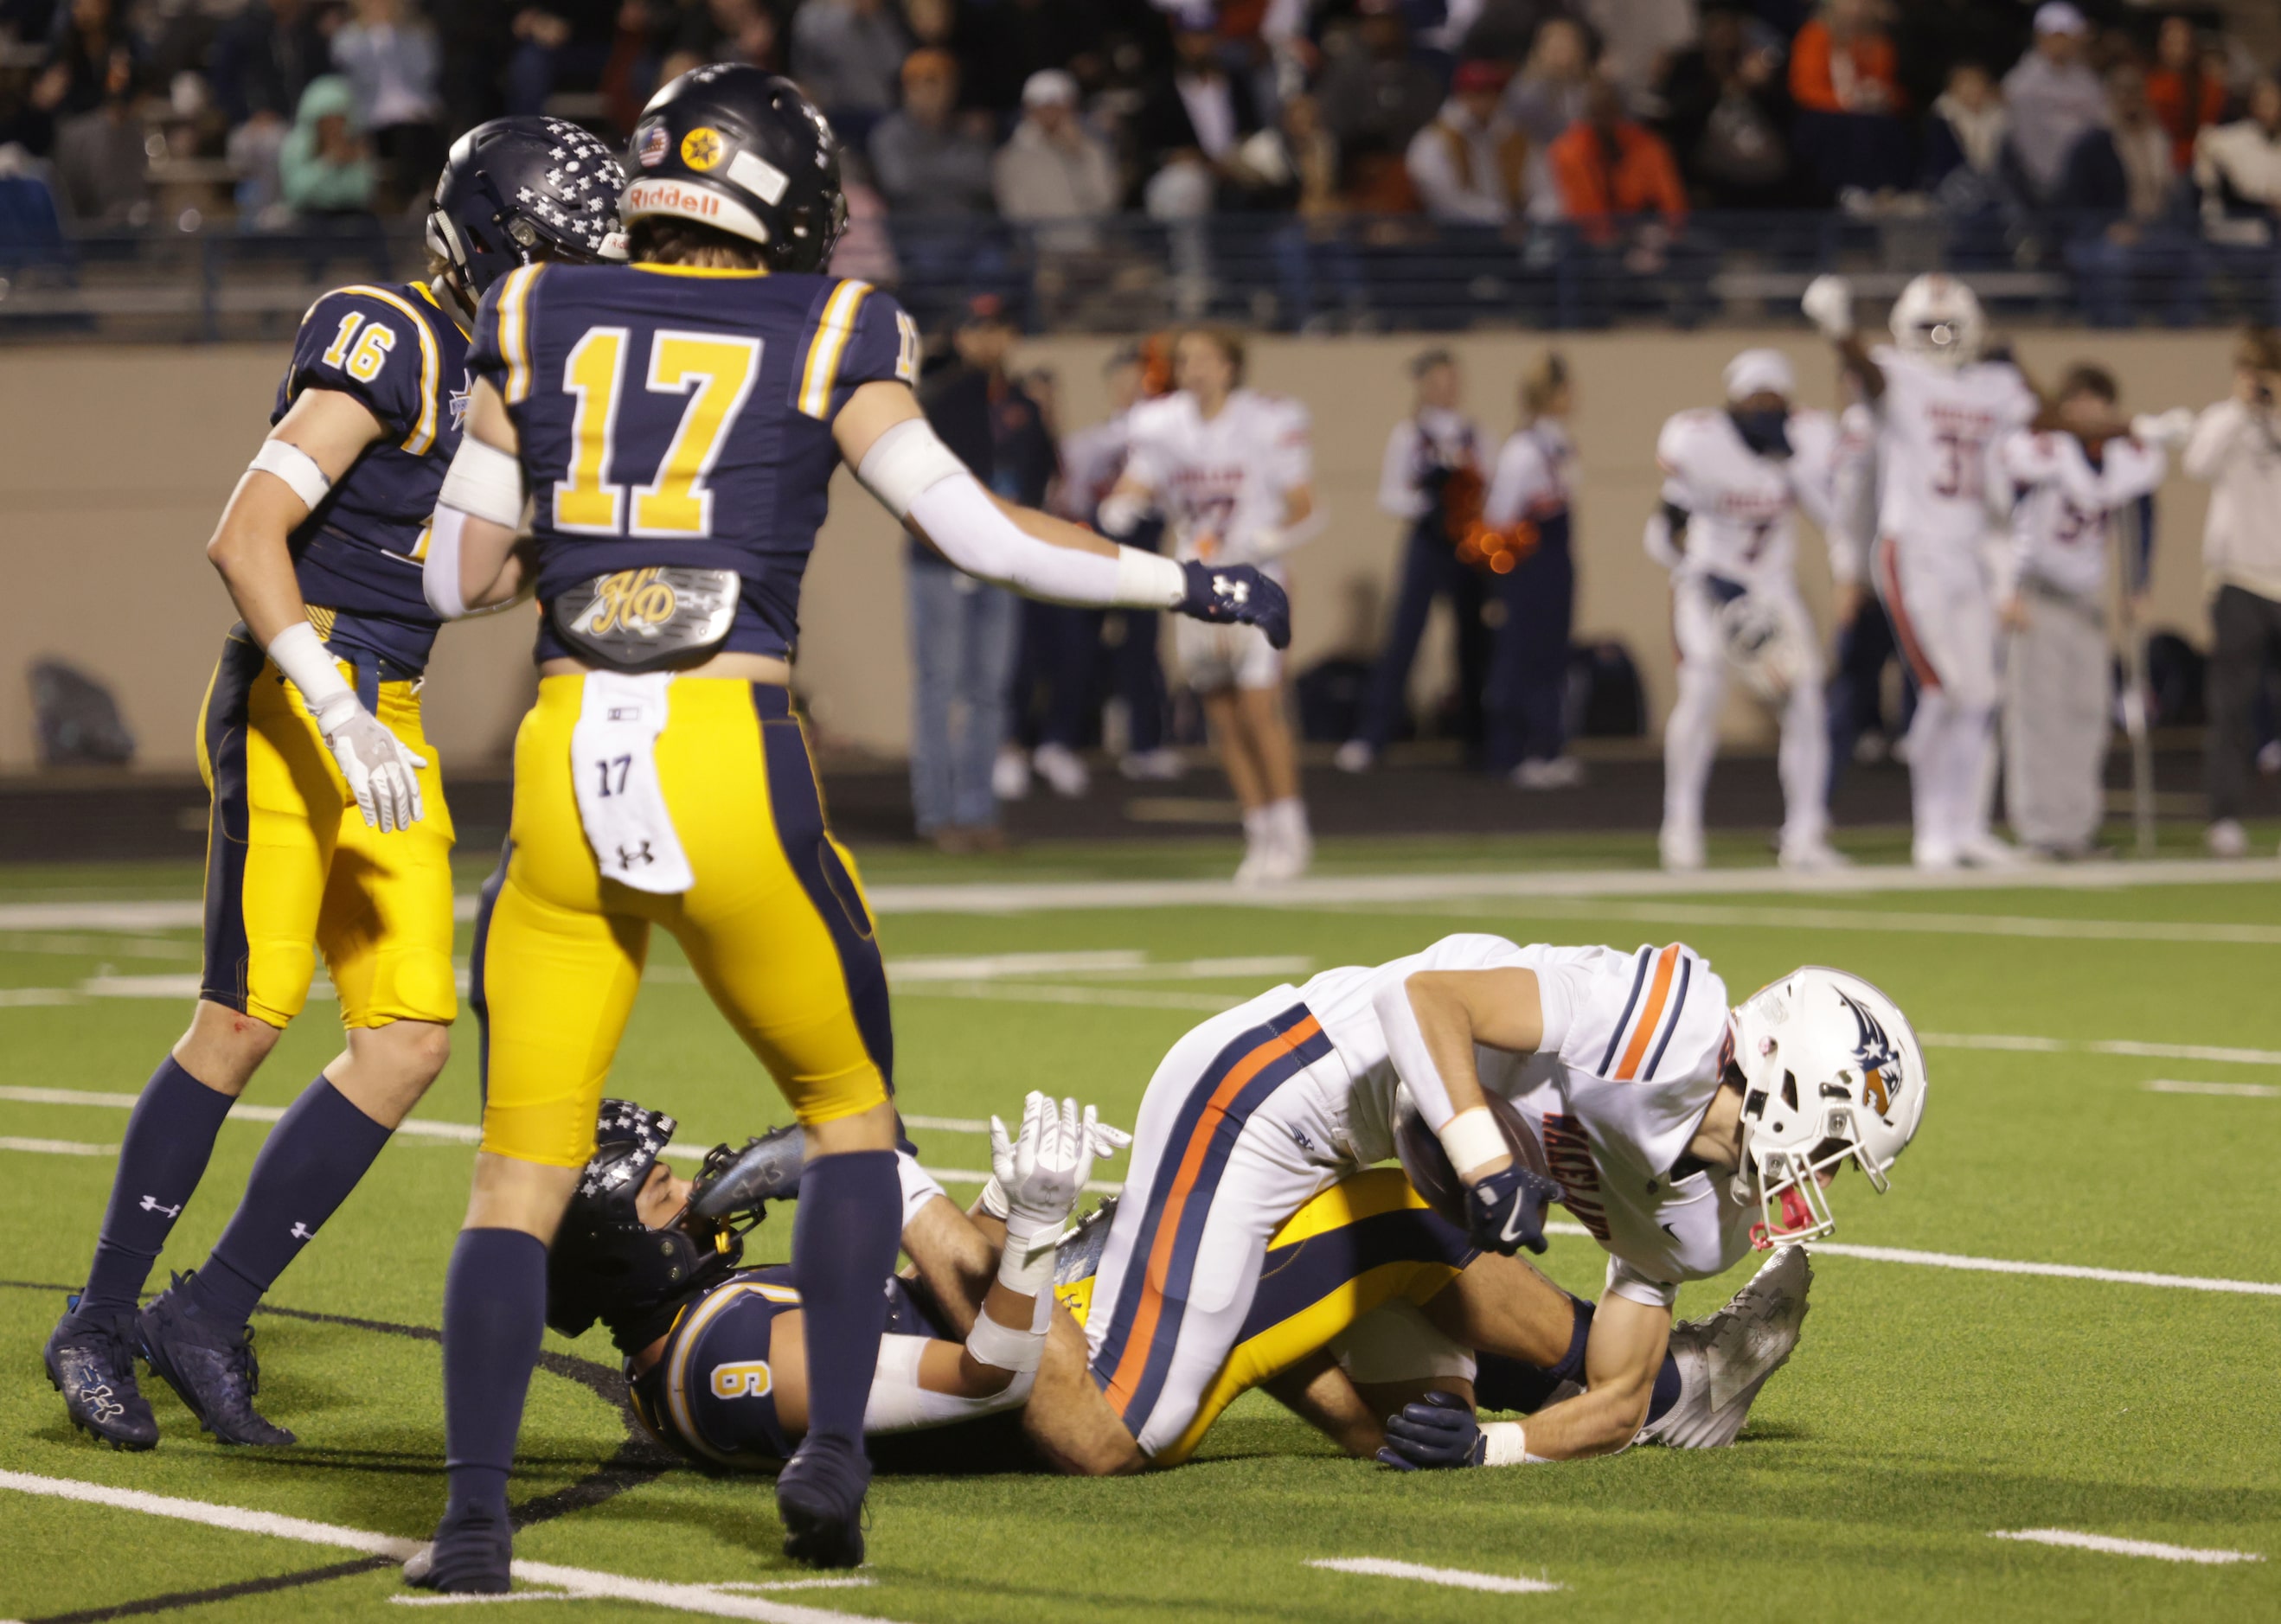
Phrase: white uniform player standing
x=1671 y=1149
x=2057 y=683
x=1941 y=412
x=1734 y=481
x=1230 y=469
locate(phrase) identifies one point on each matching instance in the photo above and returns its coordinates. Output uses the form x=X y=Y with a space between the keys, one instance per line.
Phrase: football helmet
x=1939 y=318
x=1761 y=644
x=515 y=186
x=1832 y=1072
x=743 y=151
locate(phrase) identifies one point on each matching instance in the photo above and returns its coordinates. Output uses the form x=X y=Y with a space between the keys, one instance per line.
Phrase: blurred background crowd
x=1292 y=163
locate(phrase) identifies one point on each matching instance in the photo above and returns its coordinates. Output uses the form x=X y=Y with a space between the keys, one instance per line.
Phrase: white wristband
x=484 y=482
x=903 y=463
x=1149 y=581
x=1473 y=1137
x=303 y=657
x=1504 y=1444
x=299 y=470
x=1004 y=1347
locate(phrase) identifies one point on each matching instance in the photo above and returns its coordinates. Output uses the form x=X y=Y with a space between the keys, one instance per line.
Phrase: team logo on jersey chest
x=701 y=149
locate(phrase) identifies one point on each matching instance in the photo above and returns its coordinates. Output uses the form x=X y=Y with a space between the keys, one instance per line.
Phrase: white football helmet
x=1832 y=1072
x=1939 y=319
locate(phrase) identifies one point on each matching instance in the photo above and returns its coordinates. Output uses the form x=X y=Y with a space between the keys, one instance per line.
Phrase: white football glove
x=2169 y=429
x=1829 y=304
x=1043 y=1171
x=383 y=771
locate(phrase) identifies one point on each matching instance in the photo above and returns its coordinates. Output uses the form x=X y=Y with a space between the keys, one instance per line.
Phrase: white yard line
x=1457 y=1578
x=2125 y=1547
x=57 y=1147
x=2126 y=1047
x=2232 y=1090
x=583 y=1582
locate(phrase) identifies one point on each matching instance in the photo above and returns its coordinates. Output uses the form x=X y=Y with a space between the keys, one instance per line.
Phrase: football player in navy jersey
x=328 y=825
x=678 y=420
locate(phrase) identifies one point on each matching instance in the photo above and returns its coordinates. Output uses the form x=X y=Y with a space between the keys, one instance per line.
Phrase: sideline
x=581 y=1581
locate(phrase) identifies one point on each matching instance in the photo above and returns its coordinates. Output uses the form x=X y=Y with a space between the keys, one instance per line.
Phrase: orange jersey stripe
x=1659 y=991
x=1129 y=1369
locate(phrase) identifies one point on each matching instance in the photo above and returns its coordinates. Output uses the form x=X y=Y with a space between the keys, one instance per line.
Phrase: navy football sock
x=168 y=1138
x=319 y=1150
x=843 y=1248
x=494 y=1312
x=1666 y=1388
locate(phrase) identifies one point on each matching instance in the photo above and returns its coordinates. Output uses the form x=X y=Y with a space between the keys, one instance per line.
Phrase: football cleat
x=1724 y=1361
x=210 y=1367
x=90 y=1360
x=819 y=1496
x=469 y=1556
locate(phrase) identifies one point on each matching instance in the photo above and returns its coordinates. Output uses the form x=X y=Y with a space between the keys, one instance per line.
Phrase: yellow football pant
x=291 y=862
x=775 y=925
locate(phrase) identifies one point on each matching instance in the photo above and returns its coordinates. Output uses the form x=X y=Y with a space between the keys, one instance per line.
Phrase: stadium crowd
x=2138 y=149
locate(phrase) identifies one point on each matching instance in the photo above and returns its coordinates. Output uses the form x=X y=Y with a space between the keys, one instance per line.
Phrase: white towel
x=613 y=767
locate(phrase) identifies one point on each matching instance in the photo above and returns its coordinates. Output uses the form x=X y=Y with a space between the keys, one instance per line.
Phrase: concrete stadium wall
x=114 y=462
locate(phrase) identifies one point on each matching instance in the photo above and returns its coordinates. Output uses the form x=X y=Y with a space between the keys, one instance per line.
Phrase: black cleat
x=469 y=1556
x=91 y=1358
x=819 y=1496
x=211 y=1367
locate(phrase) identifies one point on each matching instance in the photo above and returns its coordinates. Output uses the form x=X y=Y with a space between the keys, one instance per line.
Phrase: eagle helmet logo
x=1874 y=1054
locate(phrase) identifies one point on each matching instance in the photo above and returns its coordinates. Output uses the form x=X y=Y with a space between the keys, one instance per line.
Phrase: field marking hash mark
x=2105 y=1543
x=1457 y=1578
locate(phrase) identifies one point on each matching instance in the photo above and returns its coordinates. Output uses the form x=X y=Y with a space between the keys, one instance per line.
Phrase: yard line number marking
x=2102 y=1542
x=1458 y=1578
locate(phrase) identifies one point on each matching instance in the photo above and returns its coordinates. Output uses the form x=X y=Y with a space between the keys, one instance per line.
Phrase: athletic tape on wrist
x=303 y=657
x=1473 y=1137
x=295 y=468
x=1505 y=1443
x=1026 y=1267
x=993 y=1199
x=904 y=463
x=484 y=482
x=1149 y=581
x=1002 y=1347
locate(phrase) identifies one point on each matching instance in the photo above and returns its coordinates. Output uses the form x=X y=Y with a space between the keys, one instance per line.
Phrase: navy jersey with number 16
x=672 y=416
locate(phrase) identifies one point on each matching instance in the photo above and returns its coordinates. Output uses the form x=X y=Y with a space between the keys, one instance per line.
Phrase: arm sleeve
x=372 y=346
x=1395 y=493
x=899 y=1404
x=2216 y=434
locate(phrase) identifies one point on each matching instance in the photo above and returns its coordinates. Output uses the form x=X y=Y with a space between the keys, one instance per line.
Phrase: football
x=1427 y=1163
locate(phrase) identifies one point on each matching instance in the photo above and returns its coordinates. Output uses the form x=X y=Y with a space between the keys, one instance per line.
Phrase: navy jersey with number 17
x=400 y=354
x=673 y=416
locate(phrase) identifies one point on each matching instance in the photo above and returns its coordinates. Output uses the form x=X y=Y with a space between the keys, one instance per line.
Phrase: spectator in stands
x=1189 y=124
x=325 y=166
x=1052 y=174
x=1617 y=180
x=846 y=54
x=865 y=250
x=389 y=58
x=101 y=164
x=1295 y=168
x=1547 y=97
x=560 y=45
x=2053 y=96
x=927 y=161
x=1643 y=38
x=1932 y=36
x=707 y=31
x=1372 y=92
x=1844 y=77
x=1725 y=109
x=1470 y=166
x=1964 y=134
x=2238 y=172
x=2187 y=88
x=265 y=58
x=2116 y=200
x=84 y=49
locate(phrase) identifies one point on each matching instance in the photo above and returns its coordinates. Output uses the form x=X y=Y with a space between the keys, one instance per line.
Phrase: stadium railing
x=1128 y=274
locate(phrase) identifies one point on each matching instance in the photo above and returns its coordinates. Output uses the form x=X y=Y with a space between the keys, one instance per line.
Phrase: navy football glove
x=1506 y=1210
x=1238 y=594
x=1440 y=1432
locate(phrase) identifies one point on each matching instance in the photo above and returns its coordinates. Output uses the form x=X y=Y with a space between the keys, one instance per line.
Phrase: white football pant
x=1690 y=735
x=1943 y=615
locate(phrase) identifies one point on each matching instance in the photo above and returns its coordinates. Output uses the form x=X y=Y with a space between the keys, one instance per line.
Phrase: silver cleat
x=1724 y=1361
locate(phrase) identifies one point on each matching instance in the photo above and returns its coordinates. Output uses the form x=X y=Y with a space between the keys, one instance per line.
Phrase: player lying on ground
x=678 y=419
x=1369 y=1295
x=328 y=826
x=1679 y=1133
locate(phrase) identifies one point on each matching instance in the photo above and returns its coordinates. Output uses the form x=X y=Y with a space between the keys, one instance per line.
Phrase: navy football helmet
x=608 y=1265
x=743 y=151
x=515 y=186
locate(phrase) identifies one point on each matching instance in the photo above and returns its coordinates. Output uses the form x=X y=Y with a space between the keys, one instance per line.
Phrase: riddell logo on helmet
x=671 y=197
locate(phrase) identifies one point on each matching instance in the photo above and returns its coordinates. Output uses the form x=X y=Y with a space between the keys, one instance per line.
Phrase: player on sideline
x=1941 y=412
x=327 y=824
x=1230 y=469
x=1733 y=481
x=677 y=421
x=1680 y=1133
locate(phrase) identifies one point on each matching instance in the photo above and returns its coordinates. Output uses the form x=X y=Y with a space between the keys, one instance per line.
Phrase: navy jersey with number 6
x=400 y=354
x=672 y=416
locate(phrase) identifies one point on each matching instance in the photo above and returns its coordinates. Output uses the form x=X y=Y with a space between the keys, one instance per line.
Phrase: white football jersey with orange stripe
x=1616 y=1100
x=1742 y=524
x=1219 y=480
x=1937 y=430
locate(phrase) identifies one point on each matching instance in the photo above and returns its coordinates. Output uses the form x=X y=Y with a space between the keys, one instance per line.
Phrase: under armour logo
x=627 y=859
x=1232 y=591
x=302 y=1232
x=152 y=1203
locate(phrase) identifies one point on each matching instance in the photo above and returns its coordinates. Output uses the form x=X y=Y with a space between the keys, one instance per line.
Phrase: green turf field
x=1927 y=1408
